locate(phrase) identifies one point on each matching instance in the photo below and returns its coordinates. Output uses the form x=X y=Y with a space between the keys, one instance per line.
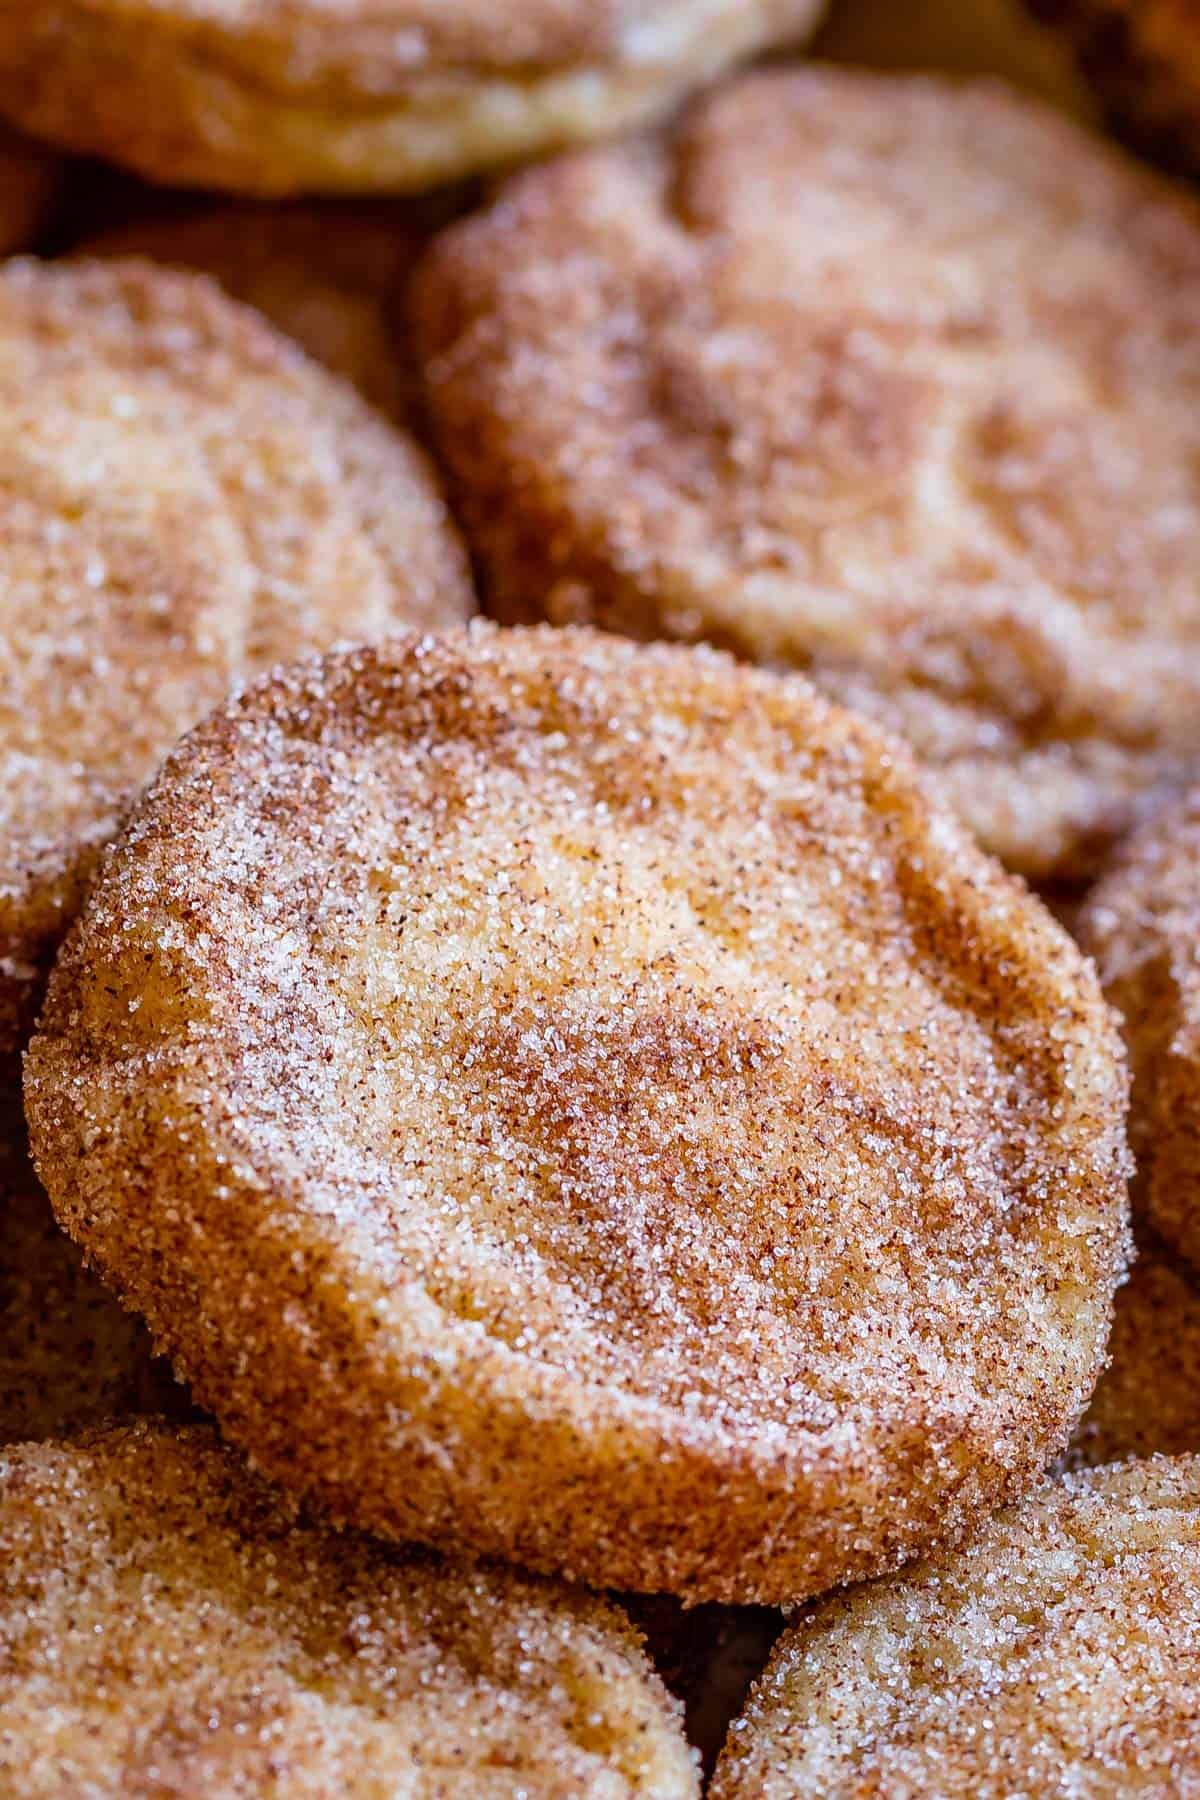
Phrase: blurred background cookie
x=585 y=1102
x=334 y=276
x=360 y=97
x=1054 y=1654
x=1147 y=1402
x=892 y=379
x=169 y=1627
x=184 y=499
x=1142 y=925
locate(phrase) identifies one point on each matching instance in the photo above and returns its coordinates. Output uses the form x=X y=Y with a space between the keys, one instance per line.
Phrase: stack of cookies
x=599 y=901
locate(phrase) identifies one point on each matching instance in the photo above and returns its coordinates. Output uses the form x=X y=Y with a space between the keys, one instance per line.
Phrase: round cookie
x=167 y=1627
x=893 y=379
x=29 y=184
x=185 y=500
x=1143 y=59
x=69 y=1355
x=1147 y=1402
x=331 y=276
x=1059 y=1653
x=584 y=1102
x=390 y=95
x=1142 y=925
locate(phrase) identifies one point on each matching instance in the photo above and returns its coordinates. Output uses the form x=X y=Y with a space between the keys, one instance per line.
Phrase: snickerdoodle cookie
x=184 y=499
x=293 y=96
x=1059 y=1653
x=585 y=1102
x=333 y=276
x=1147 y=1402
x=1142 y=925
x=169 y=1628
x=893 y=379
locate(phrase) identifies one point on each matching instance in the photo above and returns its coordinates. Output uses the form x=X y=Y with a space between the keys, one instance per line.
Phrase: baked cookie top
x=168 y=1626
x=893 y=379
x=587 y=1102
x=1056 y=1653
x=295 y=96
x=185 y=499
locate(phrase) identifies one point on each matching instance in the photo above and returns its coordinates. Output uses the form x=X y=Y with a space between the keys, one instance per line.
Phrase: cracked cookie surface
x=587 y=1103
x=893 y=379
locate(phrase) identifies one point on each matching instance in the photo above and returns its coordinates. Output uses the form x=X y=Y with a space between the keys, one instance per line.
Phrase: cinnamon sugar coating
x=1059 y=1653
x=29 y=184
x=306 y=96
x=1142 y=925
x=893 y=379
x=69 y=1355
x=584 y=1102
x=169 y=1628
x=1147 y=1402
x=331 y=276
x=185 y=499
